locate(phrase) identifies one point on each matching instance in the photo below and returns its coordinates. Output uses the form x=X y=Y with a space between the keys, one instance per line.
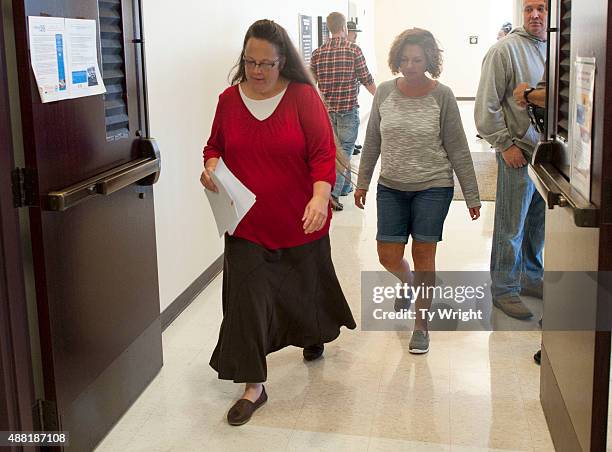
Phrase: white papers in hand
x=233 y=201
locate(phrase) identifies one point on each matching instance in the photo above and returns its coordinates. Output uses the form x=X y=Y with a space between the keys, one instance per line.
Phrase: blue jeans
x=419 y=214
x=346 y=127
x=518 y=233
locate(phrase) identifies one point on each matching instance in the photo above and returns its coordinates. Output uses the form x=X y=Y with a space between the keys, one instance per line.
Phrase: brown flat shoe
x=243 y=409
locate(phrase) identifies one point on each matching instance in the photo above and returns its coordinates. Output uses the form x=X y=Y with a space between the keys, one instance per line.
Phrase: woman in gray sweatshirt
x=416 y=129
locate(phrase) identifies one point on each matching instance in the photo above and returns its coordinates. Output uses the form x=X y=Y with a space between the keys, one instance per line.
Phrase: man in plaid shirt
x=339 y=67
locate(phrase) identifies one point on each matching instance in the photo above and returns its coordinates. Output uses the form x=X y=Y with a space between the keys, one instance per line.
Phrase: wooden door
x=575 y=371
x=90 y=165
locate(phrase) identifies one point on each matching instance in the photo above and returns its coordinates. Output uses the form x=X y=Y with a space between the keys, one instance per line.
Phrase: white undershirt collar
x=261 y=108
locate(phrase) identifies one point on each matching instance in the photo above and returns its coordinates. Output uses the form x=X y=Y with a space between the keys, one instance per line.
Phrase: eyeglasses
x=264 y=66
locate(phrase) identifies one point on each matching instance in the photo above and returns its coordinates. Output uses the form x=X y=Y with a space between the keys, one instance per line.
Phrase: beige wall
x=364 y=11
x=191 y=46
x=518 y=12
x=452 y=22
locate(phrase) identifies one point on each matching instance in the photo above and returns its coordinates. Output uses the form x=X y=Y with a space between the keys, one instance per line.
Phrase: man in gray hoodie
x=518 y=235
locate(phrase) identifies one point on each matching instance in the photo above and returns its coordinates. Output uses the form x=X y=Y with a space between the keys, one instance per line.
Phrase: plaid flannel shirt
x=339 y=66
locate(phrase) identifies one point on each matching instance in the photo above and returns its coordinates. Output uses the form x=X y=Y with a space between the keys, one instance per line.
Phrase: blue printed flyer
x=65 y=58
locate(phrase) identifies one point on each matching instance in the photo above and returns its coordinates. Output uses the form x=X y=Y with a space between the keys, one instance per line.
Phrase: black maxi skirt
x=272 y=299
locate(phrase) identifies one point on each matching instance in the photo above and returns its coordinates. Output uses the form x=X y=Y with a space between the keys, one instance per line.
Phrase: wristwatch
x=526 y=94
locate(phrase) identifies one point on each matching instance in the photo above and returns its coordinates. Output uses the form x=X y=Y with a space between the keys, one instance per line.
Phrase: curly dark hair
x=422 y=38
x=291 y=67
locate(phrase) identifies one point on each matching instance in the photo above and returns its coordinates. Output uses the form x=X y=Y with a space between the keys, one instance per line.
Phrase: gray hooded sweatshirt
x=519 y=57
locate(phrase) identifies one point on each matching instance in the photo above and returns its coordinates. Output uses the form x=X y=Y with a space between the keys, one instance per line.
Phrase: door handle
x=546 y=186
x=557 y=191
x=144 y=171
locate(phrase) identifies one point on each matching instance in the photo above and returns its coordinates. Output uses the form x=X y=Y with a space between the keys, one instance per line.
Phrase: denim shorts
x=419 y=214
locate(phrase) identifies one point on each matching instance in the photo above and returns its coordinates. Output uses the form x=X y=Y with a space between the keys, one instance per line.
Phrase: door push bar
x=144 y=171
x=556 y=190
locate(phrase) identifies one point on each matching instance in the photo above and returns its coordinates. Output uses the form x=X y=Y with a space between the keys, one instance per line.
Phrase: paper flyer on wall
x=64 y=58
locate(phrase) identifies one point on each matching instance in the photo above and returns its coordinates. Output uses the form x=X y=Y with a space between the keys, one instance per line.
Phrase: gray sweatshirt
x=519 y=57
x=420 y=141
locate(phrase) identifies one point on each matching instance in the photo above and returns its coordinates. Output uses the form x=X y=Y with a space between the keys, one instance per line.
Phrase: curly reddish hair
x=423 y=39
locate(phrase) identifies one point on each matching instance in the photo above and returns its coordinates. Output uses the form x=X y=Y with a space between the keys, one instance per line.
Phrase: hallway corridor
x=473 y=391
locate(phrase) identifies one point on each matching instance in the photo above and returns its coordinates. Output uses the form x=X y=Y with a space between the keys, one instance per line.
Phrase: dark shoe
x=313 y=352
x=336 y=205
x=513 y=306
x=357 y=150
x=243 y=409
x=537 y=357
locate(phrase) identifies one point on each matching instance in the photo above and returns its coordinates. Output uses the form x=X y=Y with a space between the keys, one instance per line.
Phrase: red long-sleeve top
x=278 y=159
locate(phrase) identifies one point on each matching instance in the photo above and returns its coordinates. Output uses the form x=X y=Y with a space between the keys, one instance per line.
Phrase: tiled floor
x=473 y=391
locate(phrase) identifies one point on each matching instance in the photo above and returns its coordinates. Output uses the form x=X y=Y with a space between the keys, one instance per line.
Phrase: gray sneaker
x=419 y=342
x=513 y=306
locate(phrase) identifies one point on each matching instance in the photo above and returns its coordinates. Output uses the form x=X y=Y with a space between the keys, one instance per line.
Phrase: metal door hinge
x=25 y=187
x=45 y=416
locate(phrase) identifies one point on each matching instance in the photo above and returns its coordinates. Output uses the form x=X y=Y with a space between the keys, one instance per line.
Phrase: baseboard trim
x=195 y=288
x=465 y=98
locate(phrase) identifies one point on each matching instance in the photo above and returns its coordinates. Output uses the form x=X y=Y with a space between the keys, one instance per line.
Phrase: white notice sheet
x=581 y=120
x=65 y=57
x=85 y=78
x=48 y=53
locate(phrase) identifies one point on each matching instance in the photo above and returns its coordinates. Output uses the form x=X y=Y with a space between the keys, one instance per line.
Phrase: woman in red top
x=279 y=284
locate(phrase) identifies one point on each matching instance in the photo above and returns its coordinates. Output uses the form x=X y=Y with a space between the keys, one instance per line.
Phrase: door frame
x=17 y=395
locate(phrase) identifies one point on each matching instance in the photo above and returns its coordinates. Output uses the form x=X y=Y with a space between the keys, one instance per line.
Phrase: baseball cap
x=352 y=26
